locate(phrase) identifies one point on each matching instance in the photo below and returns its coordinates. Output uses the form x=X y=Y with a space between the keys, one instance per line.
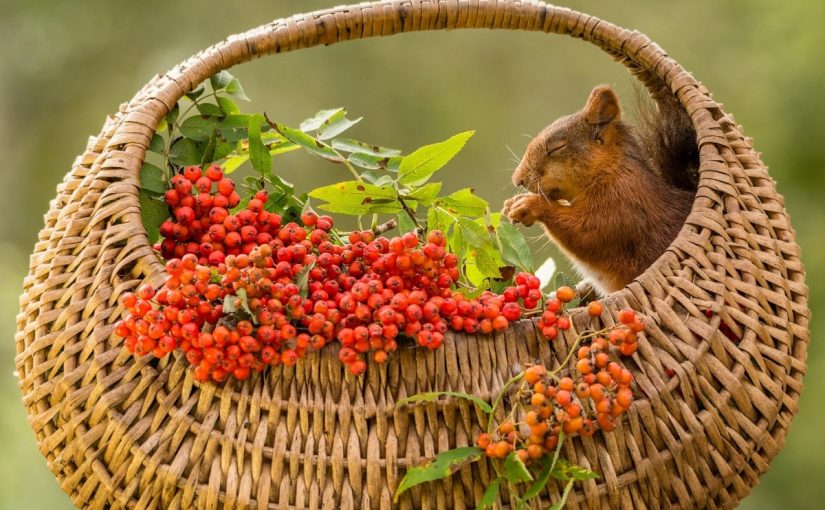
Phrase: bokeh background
x=65 y=65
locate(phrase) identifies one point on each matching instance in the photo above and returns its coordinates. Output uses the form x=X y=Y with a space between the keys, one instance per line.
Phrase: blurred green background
x=66 y=65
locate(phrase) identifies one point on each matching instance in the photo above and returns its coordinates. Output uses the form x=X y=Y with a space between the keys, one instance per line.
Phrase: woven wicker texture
x=710 y=413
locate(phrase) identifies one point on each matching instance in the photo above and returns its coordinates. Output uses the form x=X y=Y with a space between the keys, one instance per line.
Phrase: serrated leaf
x=475 y=234
x=220 y=80
x=514 y=469
x=235 y=89
x=153 y=212
x=357 y=198
x=258 y=154
x=234 y=127
x=227 y=106
x=426 y=194
x=435 y=395
x=315 y=122
x=336 y=125
x=350 y=145
x=422 y=163
x=372 y=162
x=464 y=202
x=490 y=495
x=186 y=152
x=444 y=465
x=439 y=220
x=158 y=144
x=309 y=143
x=488 y=261
x=514 y=247
x=566 y=470
x=198 y=127
x=210 y=109
x=222 y=150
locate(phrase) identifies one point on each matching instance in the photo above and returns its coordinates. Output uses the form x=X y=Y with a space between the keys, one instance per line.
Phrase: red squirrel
x=611 y=196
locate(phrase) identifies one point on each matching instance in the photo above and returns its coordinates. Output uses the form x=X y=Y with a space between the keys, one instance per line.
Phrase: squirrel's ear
x=602 y=106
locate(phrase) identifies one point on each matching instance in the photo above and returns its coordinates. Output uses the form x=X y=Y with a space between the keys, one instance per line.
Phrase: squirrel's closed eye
x=556 y=147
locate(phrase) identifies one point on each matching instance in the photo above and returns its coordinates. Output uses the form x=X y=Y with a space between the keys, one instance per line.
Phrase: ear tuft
x=602 y=106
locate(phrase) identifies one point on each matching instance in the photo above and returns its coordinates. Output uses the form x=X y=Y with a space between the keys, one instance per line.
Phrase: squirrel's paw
x=523 y=209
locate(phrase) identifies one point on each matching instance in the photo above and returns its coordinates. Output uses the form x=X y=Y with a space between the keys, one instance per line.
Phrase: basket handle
x=661 y=75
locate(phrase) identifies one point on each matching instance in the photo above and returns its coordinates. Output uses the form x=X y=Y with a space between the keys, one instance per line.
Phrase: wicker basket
x=710 y=415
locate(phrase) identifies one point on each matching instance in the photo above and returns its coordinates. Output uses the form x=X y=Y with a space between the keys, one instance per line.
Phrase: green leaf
x=302 y=279
x=356 y=198
x=336 y=125
x=162 y=126
x=420 y=165
x=222 y=149
x=488 y=261
x=434 y=395
x=566 y=470
x=185 y=152
x=541 y=480
x=372 y=162
x=464 y=202
x=158 y=144
x=426 y=194
x=153 y=211
x=313 y=123
x=475 y=234
x=172 y=116
x=199 y=128
x=350 y=145
x=490 y=495
x=444 y=465
x=309 y=143
x=514 y=247
x=230 y=306
x=234 y=127
x=565 y=494
x=227 y=106
x=220 y=80
x=405 y=223
x=514 y=469
x=437 y=219
x=210 y=109
x=196 y=93
x=258 y=154
x=209 y=149
x=233 y=163
x=234 y=89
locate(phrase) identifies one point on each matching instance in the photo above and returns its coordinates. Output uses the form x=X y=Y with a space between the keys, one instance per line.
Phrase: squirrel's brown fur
x=611 y=197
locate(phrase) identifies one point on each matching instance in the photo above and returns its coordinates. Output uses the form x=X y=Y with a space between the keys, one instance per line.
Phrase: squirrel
x=611 y=196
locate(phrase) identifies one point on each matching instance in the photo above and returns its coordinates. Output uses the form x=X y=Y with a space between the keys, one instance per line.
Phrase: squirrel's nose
x=518 y=182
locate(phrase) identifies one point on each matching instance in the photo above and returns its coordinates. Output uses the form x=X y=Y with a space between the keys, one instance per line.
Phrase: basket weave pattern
x=119 y=432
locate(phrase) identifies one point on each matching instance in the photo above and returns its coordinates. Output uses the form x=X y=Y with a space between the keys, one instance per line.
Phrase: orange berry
x=538 y=430
x=627 y=316
x=584 y=366
x=535 y=451
x=594 y=309
x=550 y=443
x=563 y=398
x=539 y=387
x=637 y=326
x=624 y=397
x=565 y=294
x=606 y=422
x=484 y=440
x=490 y=451
x=603 y=406
x=582 y=390
x=537 y=399
x=628 y=349
x=532 y=418
x=597 y=392
x=502 y=448
x=505 y=427
x=523 y=455
x=573 y=425
x=566 y=383
x=604 y=378
x=601 y=360
x=534 y=374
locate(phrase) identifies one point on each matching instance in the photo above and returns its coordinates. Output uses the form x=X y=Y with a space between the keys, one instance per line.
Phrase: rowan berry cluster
x=587 y=400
